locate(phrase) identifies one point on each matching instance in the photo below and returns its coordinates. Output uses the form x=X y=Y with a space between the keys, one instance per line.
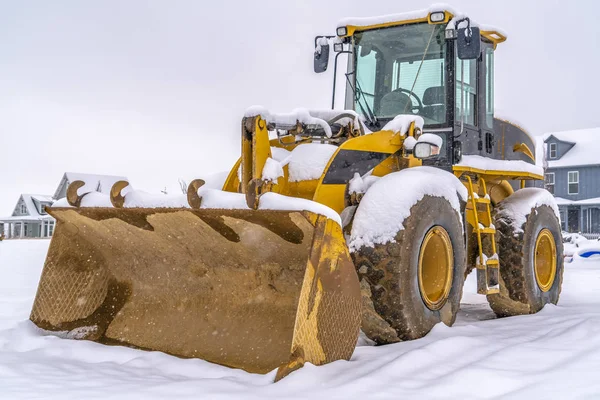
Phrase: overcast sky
x=155 y=90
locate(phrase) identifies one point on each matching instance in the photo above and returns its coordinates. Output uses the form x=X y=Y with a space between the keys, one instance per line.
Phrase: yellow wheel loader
x=330 y=222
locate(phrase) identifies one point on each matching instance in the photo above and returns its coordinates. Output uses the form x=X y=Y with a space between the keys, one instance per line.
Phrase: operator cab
x=428 y=66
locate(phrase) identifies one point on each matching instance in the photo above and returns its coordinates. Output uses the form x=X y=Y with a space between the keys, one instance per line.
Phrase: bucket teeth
x=116 y=197
x=194 y=199
x=73 y=197
x=255 y=188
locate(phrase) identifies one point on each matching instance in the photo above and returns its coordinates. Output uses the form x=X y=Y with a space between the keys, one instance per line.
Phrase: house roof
x=101 y=183
x=586 y=150
x=561 y=201
x=548 y=136
x=29 y=200
x=25 y=218
x=32 y=209
x=41 y=197
x=595 y=200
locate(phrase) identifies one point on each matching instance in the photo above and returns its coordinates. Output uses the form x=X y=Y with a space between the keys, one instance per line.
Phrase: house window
x=23 y=209
x=550 y=182
x=563 y=220
x=42 y=210
x=595 y=223
x=50 y=228
x=573 y=182
x=552 y=150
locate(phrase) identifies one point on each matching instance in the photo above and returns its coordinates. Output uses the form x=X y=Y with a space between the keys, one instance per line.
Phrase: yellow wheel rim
x=436 y=262
x=544 y=260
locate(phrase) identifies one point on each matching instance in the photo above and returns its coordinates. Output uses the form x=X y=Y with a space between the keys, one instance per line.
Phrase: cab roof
x=442 y=14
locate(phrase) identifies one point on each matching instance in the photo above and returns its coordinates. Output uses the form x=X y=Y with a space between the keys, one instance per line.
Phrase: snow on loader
x=329 y=222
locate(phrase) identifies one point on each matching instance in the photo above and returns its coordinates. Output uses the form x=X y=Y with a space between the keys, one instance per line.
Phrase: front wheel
x=416 y=281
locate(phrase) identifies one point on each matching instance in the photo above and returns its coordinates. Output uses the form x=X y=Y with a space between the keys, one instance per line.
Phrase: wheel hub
x=436 y=263
x=545 y=260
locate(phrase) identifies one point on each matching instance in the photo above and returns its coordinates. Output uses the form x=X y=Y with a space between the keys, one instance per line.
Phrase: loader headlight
x=338 y=47
x=342 y=31
x=438 y=16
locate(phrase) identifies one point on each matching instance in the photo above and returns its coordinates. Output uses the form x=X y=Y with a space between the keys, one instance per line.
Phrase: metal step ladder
x=480 y=217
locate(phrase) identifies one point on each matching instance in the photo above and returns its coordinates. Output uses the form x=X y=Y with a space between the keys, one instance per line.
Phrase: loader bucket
x=256 y=290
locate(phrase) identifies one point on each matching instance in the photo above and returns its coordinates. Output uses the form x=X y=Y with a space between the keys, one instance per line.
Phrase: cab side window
x=466 y=91
x=489 y=87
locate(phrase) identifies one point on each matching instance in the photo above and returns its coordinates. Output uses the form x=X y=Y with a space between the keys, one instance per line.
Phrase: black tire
x=520 y=292
x=391 y=272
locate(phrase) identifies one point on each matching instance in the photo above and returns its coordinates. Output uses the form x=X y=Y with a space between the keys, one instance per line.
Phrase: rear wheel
x=531 y=259
x=416 y=281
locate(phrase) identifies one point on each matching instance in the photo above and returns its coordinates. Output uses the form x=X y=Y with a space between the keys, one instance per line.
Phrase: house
x=30 y=220
x=572 y=174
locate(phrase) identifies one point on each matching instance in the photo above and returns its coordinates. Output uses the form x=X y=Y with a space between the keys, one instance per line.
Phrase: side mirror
x=425 y=150
x=468 y=43
x=321 y=55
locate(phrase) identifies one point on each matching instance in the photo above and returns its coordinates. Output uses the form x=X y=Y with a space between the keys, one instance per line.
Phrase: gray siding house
x=30 y=220
x=572 y=174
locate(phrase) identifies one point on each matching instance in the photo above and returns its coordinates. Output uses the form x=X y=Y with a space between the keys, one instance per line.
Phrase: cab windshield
x=401 y=70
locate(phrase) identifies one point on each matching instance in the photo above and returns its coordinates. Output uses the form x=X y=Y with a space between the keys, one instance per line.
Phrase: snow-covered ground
x=554 y=354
